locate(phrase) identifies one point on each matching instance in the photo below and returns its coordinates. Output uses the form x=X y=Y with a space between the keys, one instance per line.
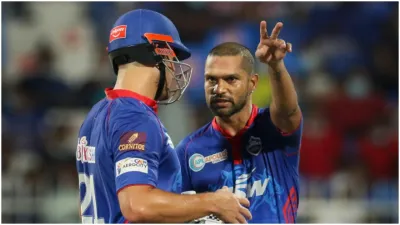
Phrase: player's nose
x=219 y=89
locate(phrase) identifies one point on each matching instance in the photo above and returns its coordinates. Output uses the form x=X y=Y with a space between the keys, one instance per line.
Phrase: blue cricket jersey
x=122 y=143
x=260 y=163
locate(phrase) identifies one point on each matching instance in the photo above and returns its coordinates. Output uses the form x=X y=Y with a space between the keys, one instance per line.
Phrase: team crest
x=254 y=146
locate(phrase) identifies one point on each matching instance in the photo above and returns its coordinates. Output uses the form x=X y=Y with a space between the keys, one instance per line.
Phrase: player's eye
x=211 y=79
x=231 y=79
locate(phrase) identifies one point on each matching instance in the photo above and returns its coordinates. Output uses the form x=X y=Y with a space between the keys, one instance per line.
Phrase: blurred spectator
x=320 y=147
x=378 y=149
x=356 y=105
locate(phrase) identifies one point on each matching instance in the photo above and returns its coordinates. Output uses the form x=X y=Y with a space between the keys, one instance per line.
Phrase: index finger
x=276 y=30
x=263 y=30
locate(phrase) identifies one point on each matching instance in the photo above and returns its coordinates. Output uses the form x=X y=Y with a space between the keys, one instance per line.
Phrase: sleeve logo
x=132 y=141
x=131 y=165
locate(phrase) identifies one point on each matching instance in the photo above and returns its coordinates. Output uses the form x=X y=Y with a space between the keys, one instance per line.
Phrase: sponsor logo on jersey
x=248 y=188
x=254 y=188
x=118 y=32
x=132 y=141
x=198 y=161
x=85 y=153
x=131 y=165
x=254 y=146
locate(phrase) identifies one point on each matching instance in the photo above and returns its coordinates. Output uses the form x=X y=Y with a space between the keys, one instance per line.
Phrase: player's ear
x=253 y=81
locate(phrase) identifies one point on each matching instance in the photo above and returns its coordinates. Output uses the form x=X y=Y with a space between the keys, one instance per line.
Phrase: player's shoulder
x=195 y=136
x=127 y=106
x=262 y=110
x=262 y=116
x=95 y=110
x=125 y=111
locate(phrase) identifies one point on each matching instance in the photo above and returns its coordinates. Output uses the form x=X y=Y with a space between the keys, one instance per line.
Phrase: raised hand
x=271 y=50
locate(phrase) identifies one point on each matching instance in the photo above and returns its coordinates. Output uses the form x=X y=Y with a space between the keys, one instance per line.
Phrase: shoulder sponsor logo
x=85 y=153
x=132 y=141
x=118 y=32
x=254 y=146
x=131 y=165
x=133 y=137
x=198 y=161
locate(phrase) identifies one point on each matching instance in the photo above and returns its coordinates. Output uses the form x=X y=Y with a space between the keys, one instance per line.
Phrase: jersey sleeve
x=290 y=143
x=137 y=148
x=181 y=150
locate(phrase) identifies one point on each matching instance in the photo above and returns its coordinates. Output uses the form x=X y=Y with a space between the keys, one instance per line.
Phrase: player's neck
x=233 y=124
x=141 y=80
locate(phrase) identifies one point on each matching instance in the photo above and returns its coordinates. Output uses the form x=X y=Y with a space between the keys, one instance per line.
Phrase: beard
x=226 y=107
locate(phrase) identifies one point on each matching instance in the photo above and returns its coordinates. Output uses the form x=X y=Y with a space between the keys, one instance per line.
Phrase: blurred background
x=344 y=65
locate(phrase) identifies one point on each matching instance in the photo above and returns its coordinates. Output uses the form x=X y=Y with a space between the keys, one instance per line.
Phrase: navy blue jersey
x=122 y=143
x=260 y=163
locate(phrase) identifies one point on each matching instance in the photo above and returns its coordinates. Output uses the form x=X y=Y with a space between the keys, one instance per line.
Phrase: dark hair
x=234 y=49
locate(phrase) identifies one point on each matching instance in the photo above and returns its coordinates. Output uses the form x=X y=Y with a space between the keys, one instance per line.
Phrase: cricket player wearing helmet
x=128 y=169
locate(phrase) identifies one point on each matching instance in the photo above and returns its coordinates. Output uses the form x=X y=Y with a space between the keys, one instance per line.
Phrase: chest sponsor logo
x=247 y=188
x=254 y=146
x=85 y=153
x=132 y=141
x=244 y=188
x=198 y=161
x=131 y=165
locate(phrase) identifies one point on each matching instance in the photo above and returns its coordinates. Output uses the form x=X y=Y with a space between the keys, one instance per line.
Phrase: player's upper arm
x=181 y=150
x=137 y=147
x=289 y=142
x=295 y=133
x=286 y=123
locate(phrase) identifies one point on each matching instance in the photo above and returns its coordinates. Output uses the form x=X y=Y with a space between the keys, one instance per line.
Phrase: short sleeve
x=293 y=144
x=181 y=150
x=289 y=142
x=137 y=149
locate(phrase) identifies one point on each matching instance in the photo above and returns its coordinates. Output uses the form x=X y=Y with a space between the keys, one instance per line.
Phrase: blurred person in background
x=255 y=152
x=125 y=159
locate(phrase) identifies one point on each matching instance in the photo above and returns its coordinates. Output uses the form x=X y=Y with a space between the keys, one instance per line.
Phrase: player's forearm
x=284 y=108
x=165 y=207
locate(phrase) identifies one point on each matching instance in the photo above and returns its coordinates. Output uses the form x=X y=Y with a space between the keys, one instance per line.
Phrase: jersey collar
x=254 y=112
x=121 y=93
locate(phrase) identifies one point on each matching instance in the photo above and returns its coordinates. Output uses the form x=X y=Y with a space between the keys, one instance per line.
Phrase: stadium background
x=344 y=65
